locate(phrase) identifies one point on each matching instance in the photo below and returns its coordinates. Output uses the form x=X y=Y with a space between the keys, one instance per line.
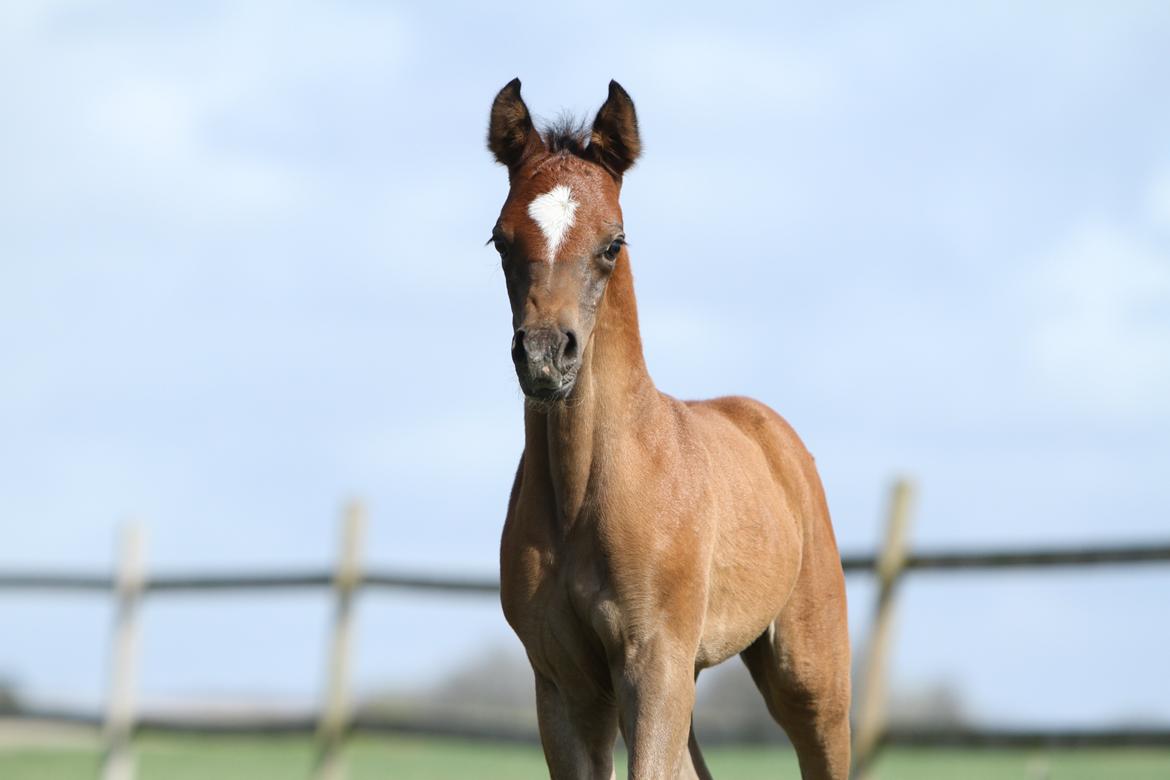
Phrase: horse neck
x=569 y=442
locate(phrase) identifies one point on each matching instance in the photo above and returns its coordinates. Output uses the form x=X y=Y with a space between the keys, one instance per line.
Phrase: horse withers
x=646 y=538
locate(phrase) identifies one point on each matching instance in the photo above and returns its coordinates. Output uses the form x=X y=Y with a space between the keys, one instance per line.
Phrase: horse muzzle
x=547 y=361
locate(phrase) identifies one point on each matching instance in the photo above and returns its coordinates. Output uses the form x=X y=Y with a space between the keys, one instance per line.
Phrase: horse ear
x=511 y=134
x=614 y=142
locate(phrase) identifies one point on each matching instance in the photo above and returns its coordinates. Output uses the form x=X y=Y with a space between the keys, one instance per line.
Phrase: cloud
x=1158 y=200
x=1100 y=332
x=712 y=71
x=154 y=131
x=139 y=117
x=442 y=443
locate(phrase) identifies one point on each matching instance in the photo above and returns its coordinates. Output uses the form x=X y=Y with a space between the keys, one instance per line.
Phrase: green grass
x=373 y=758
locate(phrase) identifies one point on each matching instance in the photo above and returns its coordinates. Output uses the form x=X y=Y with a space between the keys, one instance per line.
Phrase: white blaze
x=553 y=213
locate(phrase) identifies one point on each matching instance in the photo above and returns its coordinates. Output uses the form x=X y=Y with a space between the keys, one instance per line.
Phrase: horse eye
x=613 y=249
x=501 y=247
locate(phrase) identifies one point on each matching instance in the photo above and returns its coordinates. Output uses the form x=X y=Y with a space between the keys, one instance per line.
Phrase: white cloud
x=709 y=66
x=440 y=443
x=155 y=129
x=125 y=115
x=1100 y=335
x=1158 y=200
x=150 y=115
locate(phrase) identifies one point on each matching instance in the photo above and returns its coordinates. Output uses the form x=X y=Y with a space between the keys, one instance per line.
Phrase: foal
x=647 y=538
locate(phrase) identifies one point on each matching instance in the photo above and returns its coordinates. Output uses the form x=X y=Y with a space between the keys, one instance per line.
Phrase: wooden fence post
x=118 y=759
x=871 y=710
x=335 y=715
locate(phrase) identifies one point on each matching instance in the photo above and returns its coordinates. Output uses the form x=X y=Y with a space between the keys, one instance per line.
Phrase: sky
x=243 y=280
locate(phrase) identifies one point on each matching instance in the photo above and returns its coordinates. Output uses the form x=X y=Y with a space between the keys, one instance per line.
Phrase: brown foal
x=647 y=538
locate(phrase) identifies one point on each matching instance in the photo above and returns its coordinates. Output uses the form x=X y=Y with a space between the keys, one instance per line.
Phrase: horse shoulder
x=524 y=559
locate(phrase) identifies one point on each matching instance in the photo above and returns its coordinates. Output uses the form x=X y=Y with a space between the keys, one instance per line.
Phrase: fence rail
x=925 y=561
x=307 y=725
x=891 y=564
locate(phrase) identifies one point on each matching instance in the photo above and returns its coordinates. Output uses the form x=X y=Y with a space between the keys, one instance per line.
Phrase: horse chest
x=568 y=619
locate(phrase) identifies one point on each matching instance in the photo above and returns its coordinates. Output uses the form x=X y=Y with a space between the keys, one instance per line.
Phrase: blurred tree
x=936 y=706
x=495 y=688
x=729 y=708
x=9 y=699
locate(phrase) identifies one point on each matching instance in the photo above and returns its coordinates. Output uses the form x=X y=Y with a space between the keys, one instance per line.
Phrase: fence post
x=118 y=759
x=336 y=712
x=871 y=710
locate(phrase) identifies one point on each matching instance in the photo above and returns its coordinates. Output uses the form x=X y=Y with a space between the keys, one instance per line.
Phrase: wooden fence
x=131 y=583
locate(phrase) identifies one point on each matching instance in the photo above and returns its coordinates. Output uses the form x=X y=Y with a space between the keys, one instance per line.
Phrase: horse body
x=646 y=538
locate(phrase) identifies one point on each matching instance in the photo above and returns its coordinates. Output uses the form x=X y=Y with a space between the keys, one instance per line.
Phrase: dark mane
x=566 y=134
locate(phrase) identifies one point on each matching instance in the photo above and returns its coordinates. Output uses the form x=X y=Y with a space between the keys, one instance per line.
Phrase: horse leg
x=801 y=666
x=697 y=767
x=656 y=695
x=693 y=766
x=577 y=737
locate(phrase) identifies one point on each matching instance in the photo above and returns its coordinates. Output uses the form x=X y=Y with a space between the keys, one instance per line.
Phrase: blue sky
x=242 y=280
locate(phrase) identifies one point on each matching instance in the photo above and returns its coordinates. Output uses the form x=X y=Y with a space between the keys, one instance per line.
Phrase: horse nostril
x=518 y=351
x=570 y=350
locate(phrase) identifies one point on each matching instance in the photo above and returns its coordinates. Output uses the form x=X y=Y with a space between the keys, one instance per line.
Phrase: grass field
x=229 y=758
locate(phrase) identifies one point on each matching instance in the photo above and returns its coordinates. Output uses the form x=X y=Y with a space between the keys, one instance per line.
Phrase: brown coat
x=646 y=538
